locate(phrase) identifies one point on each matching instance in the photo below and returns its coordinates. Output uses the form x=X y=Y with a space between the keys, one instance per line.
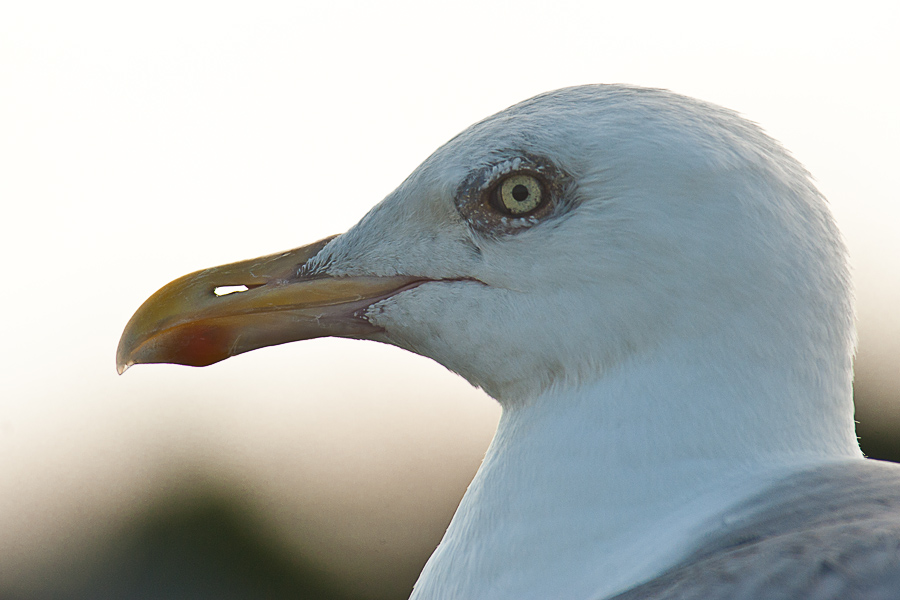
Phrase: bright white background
x=141 y=141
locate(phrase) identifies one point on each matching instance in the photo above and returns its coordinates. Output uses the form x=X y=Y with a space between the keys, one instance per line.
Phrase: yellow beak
x=191 y=321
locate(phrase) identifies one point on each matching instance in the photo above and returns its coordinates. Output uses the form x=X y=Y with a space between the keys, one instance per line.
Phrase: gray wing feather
x=831 y=533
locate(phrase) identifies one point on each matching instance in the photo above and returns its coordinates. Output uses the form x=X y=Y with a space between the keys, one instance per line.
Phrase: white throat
x=585 y=492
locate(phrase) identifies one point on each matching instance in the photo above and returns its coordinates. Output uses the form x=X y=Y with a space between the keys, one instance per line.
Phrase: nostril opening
x=224 y=290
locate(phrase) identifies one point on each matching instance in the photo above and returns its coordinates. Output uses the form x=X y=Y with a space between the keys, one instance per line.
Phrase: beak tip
x=122 y=361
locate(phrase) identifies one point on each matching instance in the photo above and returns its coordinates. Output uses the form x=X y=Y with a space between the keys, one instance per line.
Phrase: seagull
x=656 y=294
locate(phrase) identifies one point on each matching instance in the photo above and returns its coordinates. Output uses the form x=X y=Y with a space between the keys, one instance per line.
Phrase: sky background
x=142 y=141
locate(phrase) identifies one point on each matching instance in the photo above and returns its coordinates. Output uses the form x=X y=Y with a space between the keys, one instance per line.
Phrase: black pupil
x=520 y=192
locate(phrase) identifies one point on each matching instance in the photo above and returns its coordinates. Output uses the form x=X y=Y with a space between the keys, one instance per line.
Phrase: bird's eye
x=512 y=195
x=519 y=194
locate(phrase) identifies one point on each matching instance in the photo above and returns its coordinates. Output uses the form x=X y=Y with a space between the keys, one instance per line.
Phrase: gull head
x=548 y=245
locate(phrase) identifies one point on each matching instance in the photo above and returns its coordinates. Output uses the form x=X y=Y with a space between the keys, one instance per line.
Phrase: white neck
x=607 y=484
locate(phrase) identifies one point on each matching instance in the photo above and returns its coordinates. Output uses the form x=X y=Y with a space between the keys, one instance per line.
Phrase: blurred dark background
x=201 y=540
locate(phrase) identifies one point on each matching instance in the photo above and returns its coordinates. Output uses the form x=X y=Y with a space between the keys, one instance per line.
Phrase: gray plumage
x=831 y=533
